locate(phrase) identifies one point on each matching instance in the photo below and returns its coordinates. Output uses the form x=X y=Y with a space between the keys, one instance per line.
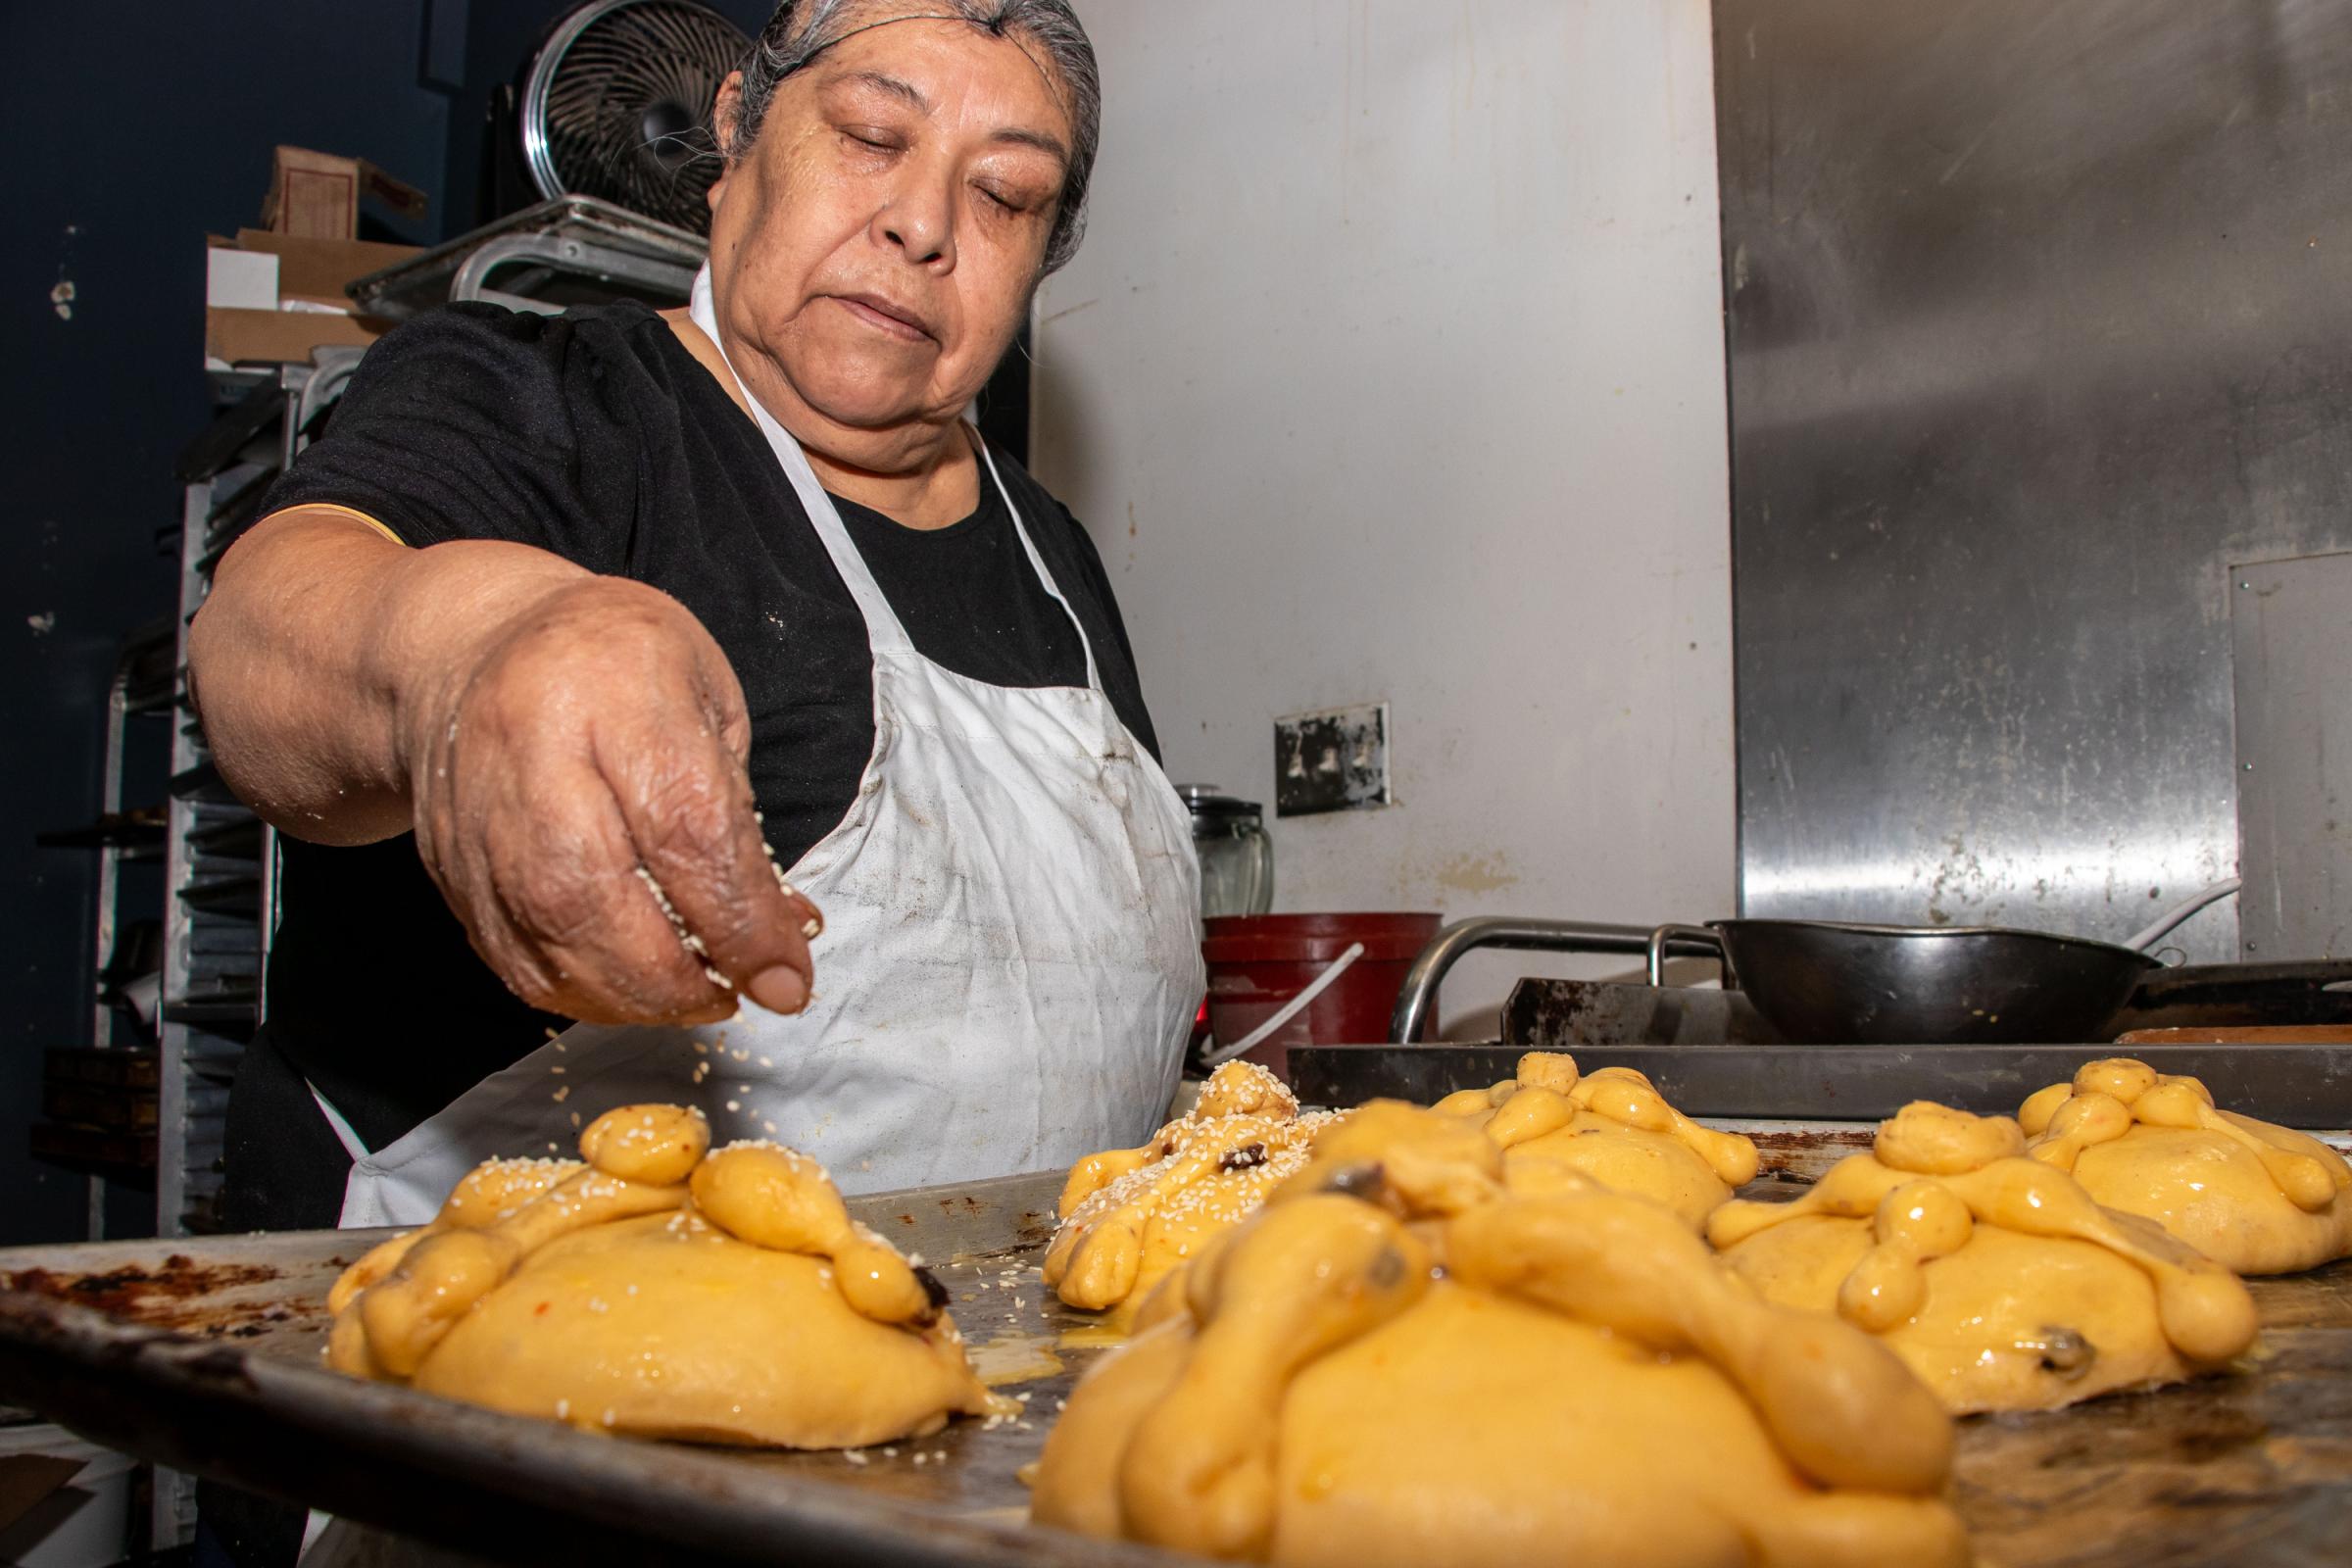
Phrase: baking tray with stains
x=205 y=1355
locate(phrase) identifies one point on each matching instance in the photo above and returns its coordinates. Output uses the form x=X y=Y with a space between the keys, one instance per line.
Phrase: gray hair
x=802 y=30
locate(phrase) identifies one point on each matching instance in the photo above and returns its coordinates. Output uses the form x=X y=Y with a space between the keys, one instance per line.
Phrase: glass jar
x=1237 y=857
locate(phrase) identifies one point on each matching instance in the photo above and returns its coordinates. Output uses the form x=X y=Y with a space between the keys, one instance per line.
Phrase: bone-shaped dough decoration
x=2000 y=1281
x=664 y=1288
x=2258 y=1197
x=1404 y=1358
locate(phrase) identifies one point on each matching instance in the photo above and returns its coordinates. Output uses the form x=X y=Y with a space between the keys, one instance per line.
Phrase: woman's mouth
x=885 y=316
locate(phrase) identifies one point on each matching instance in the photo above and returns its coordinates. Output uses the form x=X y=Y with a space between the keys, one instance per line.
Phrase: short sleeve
x=467 y=424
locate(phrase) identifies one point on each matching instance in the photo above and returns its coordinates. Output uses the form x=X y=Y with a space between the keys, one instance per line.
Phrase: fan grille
x=619 y=106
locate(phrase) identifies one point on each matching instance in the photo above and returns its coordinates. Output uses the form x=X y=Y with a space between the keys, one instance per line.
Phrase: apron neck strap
x=883 y=629
x=1037 y=563
x=882 y=626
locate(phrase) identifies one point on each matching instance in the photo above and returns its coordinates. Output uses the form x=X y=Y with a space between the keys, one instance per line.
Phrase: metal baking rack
x=573 y=250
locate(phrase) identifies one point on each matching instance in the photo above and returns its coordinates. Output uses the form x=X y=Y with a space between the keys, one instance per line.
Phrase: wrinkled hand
x=569 y=768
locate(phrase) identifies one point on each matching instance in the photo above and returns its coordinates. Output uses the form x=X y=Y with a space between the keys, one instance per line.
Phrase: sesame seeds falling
x=1206 y=1171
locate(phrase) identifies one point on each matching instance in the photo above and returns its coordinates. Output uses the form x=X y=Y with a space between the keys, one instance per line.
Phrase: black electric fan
x=616 y=103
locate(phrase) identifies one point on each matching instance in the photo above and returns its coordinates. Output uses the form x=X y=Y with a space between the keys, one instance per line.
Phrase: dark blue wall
x=137 y=130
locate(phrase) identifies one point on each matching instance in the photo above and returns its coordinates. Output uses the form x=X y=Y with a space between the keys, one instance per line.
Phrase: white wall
x=1392 y=369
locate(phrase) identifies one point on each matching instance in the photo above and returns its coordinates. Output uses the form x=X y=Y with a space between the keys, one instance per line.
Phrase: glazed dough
x=1406 y=1358
x=2258 y=1199
x=1613 y=1126
x=1995 y=1277
x=1130 y=1215
x=665 y=1290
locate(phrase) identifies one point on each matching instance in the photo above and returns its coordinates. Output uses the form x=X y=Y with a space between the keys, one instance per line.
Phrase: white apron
x=1008 y=971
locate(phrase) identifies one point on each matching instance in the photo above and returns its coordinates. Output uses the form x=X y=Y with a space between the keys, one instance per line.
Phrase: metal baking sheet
x=204 y=1354
x=2296 y=1086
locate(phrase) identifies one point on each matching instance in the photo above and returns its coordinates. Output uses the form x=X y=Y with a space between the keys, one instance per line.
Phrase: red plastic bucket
x=1257 y=962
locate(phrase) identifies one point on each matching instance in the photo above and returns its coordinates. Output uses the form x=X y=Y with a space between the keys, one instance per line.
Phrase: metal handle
x=1516 y=932
x=1709 y=943
x=2181 y=911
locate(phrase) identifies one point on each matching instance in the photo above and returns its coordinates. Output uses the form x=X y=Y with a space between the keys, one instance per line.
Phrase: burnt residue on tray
x=178 y=1294
x=1805 y=1153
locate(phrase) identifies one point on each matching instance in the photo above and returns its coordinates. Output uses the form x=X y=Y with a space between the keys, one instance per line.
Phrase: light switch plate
x=1334 y=761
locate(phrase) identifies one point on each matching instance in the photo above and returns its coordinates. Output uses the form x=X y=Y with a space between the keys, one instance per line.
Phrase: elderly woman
x=682 y=643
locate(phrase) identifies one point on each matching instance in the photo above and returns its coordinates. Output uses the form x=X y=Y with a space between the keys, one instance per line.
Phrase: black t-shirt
x=598 y=436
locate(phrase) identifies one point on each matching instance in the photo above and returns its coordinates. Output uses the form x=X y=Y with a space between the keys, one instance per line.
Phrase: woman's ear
x=726 y=114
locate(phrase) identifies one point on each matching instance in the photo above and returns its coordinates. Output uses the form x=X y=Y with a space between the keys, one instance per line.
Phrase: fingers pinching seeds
x=688 y=809
x=564 y=878
x=580 y=797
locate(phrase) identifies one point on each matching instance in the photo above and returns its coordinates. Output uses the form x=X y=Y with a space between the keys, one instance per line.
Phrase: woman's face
x=876 y=246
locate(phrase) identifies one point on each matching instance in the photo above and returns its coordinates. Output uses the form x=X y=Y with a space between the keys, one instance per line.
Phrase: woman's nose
x=920 y=221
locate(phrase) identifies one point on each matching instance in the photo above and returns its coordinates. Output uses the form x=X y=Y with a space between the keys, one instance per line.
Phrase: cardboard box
x=317 y=195
x=316 y=271
x=272 y=298
x=283 y=337
x=313 y=194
